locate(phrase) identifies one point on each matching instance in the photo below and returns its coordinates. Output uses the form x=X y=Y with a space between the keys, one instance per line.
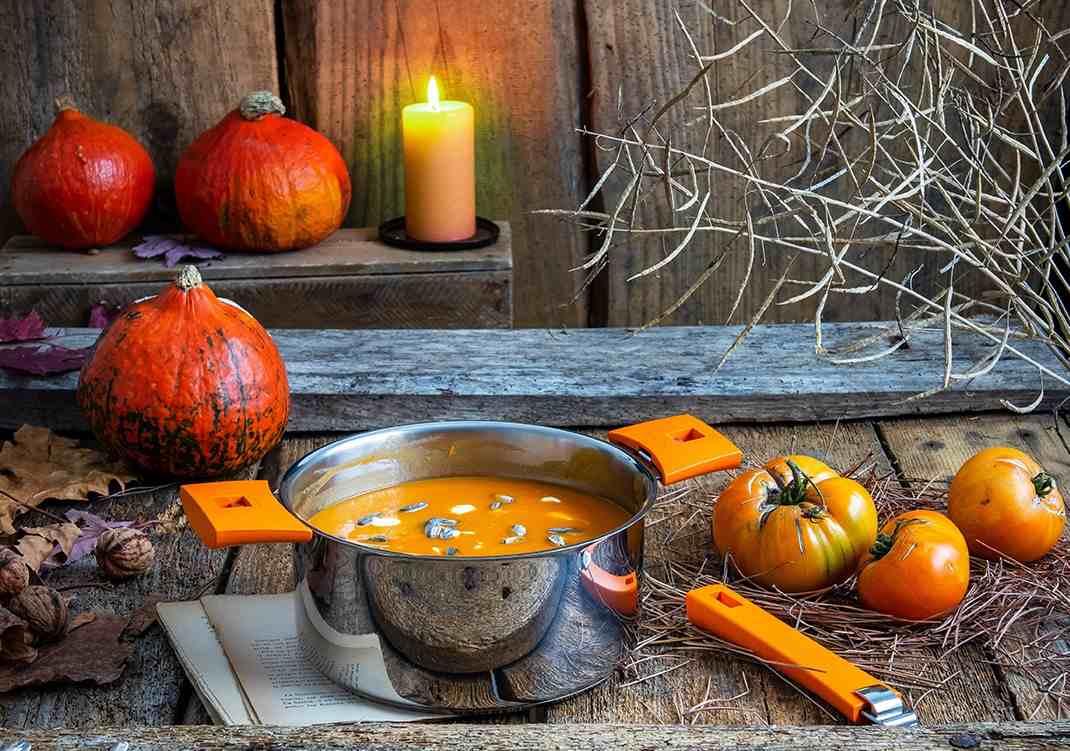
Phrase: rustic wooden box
x=349 y=281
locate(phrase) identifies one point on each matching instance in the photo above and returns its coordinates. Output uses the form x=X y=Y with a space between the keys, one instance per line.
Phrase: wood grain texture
x=153 y=684
x=935 y=449
x=164 y=71
x=348 y=252
x=464 y=299
x=1007 y=736
x=352 y=65
x=351 y=380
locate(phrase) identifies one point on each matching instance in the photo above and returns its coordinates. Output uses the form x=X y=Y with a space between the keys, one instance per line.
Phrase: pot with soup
x=465 y=567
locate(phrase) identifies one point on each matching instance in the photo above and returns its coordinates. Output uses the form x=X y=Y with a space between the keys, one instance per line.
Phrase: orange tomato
x=789 y=529
x=1006 y=504
x=918 y=568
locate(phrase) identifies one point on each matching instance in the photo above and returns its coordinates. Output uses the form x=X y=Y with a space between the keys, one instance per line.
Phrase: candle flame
x=432 y=93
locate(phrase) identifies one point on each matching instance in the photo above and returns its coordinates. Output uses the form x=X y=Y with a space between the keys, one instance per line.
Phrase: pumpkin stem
x=188 y=278
x=260 y=103
x=884 y=542
x=65 y=102
x=1043 y=483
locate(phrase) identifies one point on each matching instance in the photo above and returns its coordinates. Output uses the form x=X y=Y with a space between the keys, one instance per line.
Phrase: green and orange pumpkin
x=186 y=384
x=258 y=181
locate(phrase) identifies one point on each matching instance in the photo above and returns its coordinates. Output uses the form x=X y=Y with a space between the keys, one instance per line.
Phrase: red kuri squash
x=186 y=384
x=258 y=181
x=84 y=183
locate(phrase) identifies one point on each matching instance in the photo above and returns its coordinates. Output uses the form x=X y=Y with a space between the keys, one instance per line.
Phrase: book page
x=202 y=657
x=259 y=636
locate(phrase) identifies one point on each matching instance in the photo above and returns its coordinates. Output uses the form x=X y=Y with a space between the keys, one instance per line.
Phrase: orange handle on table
x=681 y=446
x=852 y=691
x=239 y=512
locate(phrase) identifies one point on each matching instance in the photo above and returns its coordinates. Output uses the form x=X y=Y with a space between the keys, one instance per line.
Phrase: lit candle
x=440 y=169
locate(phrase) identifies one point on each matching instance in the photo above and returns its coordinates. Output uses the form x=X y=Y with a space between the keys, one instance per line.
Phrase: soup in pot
x=471 y=516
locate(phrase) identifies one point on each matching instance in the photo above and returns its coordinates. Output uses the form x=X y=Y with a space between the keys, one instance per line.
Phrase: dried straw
x=917 y=137
x=1019 y=614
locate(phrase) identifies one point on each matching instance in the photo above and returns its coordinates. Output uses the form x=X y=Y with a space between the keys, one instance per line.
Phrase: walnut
x=14 y=573
x=44 y=609
x=122 y=553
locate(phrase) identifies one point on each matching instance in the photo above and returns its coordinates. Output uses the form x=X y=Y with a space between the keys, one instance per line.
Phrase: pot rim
x=637 y=463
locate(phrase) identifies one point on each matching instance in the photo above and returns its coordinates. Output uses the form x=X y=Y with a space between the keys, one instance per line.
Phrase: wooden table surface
x=154 y=691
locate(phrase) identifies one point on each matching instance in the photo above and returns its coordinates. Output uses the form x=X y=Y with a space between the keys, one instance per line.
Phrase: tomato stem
x=885 y=542
x=1043 y=483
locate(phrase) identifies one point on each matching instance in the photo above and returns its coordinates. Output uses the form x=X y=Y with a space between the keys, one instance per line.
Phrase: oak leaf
x=39 y=544
x=95 y=653
x=38 y=465
x=25 y=329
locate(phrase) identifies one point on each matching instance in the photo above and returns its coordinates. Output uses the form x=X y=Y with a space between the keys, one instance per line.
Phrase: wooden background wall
x=534 y=70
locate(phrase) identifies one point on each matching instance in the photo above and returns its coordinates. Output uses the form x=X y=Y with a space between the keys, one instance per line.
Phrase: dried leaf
x=26 y=329
x=95 y=653
x=144 y=617
x=49 y=359
x=34 y=550
x=92 y=527
x=16 y=641
x=80 y=620
x=101 y=314
x=38 y=465
x=62 y=534
x=173 y=250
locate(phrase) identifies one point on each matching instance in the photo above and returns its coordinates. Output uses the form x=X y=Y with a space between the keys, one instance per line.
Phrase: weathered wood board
x=1007 y=736
x=351 y=67
x=351 y=280
x=163 y=71
x=353 y=380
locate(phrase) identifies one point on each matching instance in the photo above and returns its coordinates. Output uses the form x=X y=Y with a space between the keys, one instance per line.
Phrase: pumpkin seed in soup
x=557 y=540
x=414 y=507
x=475 y=529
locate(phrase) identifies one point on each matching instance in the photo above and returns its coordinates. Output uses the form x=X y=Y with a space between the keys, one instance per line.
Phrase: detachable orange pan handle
x=680 y=447
x=620 y=593
x=239 y=512
x=853 y=692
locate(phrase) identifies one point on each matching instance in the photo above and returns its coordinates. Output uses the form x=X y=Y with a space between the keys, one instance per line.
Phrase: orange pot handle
x=239 y=512
x=620 y=593
x=681 y=446
x=856 y=694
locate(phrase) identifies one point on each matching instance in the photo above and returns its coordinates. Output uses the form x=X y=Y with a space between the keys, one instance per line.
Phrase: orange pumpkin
x=918 y=568
x=797 y=533
x=258 y=181
x=186 y=384
x=1006 y=504
x=84 y=183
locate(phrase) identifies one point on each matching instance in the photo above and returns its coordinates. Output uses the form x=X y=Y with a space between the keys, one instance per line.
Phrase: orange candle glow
x=440 y=169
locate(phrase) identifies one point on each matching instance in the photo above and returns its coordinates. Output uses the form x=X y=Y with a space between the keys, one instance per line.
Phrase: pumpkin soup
x=471 y=516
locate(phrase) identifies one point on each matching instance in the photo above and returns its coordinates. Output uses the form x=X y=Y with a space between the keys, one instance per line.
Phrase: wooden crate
x=349 y=281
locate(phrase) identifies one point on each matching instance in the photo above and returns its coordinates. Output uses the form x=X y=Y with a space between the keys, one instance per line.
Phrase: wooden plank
x=351 y=68
x=346 y=380
x=465 y=299
x=348 y=252
x=1007 y=736
x=934 y=449
x=153 y=684
x=165 y=72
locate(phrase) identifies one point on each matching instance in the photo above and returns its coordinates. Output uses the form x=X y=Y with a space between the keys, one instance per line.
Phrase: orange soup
x=471 y=516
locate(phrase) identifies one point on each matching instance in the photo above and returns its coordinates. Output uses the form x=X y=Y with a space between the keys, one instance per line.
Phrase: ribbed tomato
x=1006 y=505
x=797 y=534
x=918 y=568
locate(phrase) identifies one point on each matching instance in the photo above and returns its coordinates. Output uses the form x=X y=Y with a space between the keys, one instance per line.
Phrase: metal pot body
x=467 y=635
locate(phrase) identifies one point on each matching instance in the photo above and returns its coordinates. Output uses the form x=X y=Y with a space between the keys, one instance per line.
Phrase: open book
x=242 y=656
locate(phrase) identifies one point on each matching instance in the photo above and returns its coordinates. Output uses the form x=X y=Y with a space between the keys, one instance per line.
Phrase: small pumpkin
x=258 y=181
x=917 y=569
x=84 y=183
x=1006 y=505
x=186 y=384
x=795 y=524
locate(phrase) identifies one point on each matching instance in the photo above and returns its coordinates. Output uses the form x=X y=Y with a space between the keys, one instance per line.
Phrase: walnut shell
x=122 y=553
x=44 y=609
x=14 y=573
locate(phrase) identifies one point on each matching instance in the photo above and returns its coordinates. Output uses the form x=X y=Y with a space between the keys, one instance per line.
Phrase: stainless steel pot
x=464 y=634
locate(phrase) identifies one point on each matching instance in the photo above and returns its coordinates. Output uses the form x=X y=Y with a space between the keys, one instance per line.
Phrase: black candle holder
x=392 y=232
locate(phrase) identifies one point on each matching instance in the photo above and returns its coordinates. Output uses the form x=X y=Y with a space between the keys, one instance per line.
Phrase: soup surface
x=471 y=516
